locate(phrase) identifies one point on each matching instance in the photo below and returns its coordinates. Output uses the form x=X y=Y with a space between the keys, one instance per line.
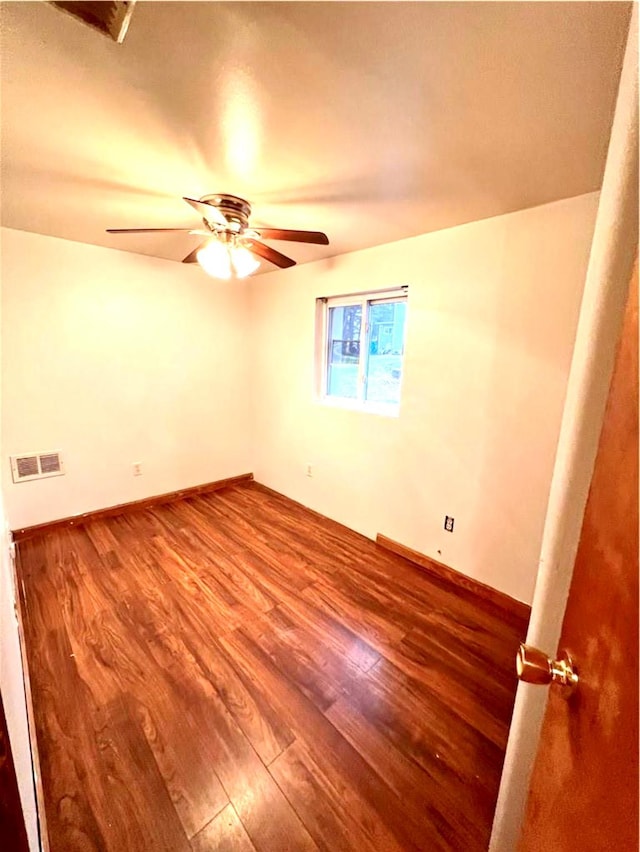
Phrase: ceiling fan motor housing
x=235 y=210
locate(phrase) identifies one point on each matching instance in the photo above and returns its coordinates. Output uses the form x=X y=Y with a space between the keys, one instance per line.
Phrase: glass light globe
x=244 y=263
x=214 y=259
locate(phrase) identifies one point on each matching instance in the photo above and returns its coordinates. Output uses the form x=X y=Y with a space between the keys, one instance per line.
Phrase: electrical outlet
x=448 y=523
x=309 y=469
x=137 y=468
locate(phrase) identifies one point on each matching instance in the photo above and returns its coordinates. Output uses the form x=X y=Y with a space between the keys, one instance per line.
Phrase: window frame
x=365 y=301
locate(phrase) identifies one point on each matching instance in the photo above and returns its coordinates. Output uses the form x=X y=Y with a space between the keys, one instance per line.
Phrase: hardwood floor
x=235 y=672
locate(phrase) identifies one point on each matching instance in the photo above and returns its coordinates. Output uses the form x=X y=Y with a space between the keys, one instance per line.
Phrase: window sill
x=382 y=409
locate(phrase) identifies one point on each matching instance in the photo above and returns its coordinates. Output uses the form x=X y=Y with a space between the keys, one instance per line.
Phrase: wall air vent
x=36 y=466
x=111 y=17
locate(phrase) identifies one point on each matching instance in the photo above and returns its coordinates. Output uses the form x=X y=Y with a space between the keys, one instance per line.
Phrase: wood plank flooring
x=235 y=672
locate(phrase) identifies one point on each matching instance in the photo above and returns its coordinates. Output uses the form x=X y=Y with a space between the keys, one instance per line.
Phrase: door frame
x=613 y=252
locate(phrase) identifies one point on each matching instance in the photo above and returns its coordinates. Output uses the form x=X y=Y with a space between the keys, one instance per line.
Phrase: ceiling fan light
x=214 y=259
x=244 y=263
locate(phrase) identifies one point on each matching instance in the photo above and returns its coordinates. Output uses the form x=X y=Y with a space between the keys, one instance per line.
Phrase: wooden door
x=584 y=788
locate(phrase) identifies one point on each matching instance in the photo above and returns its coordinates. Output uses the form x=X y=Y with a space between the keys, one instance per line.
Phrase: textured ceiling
x=370 y=121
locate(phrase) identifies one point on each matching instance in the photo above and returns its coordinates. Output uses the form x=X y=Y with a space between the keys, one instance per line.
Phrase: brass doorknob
x=534 y=666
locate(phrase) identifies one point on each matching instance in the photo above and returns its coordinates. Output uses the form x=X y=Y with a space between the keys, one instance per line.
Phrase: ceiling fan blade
x=316 y=237
x=144 y=230
x=192 y=256
x=207 y=210
x=269 y=254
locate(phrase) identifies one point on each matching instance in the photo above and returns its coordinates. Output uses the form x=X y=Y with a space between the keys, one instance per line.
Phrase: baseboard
x=134 y=506
x=517 y=609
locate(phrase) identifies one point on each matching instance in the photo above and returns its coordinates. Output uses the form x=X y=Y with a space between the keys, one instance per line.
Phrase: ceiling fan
x=231 y=247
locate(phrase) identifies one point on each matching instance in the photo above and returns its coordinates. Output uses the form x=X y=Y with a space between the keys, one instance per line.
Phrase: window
x=362 y=350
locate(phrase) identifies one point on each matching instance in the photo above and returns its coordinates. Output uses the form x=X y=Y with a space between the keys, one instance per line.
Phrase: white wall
x=115 y=358
x=12 y=688
x=12 y=683
x=492 y=314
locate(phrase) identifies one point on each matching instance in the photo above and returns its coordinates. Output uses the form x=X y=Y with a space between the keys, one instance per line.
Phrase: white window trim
x=322 y=350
